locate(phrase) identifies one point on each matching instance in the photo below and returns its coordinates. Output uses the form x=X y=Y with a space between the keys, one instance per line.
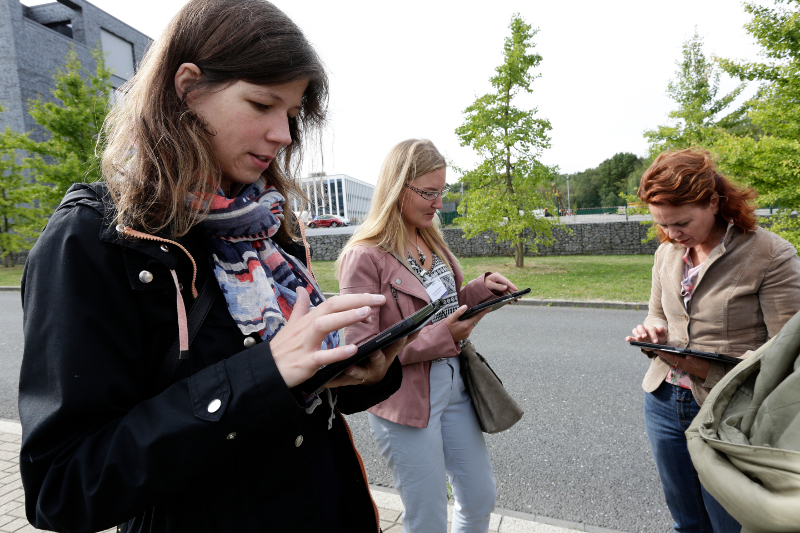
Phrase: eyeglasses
x=429 y=195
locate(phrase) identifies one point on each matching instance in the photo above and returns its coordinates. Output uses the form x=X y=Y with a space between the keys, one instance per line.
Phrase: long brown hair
x=159 y=150
x=384 y=226
x=690 y=176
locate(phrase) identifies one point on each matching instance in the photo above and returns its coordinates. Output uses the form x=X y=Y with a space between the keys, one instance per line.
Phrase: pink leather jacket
x=366 y=269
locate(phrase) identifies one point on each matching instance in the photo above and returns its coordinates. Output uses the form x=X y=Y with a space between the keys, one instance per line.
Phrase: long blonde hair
x=159 y=150
x=384 y=225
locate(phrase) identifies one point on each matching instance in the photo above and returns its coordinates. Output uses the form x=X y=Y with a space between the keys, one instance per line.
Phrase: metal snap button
x=398 y=281
x=145 y=276
x=298 y=441
x=231 y=435
x=164 y=248
x=214 y=406
x=249 y=342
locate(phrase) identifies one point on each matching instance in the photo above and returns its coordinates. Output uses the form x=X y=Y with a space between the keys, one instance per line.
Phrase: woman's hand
x=296 y=347
x=651 y=334
x=658 y=335
x=693 y=365
x=375 y=368
x=499 y=283
x=460 y=329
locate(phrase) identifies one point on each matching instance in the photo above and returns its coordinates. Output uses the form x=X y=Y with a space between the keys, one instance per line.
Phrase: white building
x=338 y=194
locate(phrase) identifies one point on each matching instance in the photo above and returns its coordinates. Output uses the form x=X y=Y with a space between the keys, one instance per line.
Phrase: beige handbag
x=496 y=409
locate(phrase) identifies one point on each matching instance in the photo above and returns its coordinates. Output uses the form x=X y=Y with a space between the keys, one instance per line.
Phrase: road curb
x=502 y=520
x=604 y=304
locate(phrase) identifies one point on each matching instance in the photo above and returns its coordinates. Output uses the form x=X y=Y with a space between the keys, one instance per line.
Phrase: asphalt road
x=580 y=453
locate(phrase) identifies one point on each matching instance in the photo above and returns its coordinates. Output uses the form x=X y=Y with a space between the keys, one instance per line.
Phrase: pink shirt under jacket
x=366 y=269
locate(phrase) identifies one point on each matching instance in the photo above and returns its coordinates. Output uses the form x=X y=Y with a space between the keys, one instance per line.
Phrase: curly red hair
x=690 y=177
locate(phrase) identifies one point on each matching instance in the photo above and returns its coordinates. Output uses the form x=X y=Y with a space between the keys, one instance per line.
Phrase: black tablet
x=495 y=304
x=404 y=328
x=711 y=356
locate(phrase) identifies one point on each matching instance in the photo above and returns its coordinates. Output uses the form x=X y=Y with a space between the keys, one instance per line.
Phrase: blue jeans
x=668 y=411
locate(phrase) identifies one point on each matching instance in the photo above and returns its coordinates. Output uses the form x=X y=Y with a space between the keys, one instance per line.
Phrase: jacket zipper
x=126 y=230
x=394 y=295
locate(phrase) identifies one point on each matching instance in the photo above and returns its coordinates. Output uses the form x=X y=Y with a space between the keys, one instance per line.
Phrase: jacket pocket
x=146 y=273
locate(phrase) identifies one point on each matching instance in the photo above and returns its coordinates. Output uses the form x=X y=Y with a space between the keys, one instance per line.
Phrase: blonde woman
x=428 y=429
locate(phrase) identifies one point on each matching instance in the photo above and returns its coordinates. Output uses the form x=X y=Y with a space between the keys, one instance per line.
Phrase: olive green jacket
x=745 y=441
x=747 y=289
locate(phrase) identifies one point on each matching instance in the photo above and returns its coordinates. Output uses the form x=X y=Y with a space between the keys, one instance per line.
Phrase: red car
x=323 y=221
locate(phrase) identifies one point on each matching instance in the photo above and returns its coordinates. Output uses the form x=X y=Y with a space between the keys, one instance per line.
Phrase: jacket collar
x=114 y=235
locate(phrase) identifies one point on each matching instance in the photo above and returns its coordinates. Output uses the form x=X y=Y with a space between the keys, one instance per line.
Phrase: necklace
x=419 y=250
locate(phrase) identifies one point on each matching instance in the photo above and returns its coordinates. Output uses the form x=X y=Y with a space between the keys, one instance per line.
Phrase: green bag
x=745 y=441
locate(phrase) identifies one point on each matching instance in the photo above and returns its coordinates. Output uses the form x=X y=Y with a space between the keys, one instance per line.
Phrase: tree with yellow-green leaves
x=768 y=158
x=34 y=175
x=700 y=114
x=21 y=215
x=72 y=121
x=509 y=185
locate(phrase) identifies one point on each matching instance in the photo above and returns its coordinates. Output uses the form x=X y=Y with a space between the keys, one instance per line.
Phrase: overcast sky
x=409 y=69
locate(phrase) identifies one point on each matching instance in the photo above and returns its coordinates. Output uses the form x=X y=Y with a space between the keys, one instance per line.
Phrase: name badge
x=436 y=290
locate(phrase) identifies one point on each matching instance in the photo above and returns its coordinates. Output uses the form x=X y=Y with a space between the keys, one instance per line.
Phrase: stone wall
x=607 y=238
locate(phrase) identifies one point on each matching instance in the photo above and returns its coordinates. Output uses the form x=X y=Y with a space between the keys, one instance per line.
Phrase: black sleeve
x=357 y=398
x=96 y=450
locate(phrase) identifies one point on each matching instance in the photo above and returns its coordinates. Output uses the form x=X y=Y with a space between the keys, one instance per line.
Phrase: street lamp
x=569 y=204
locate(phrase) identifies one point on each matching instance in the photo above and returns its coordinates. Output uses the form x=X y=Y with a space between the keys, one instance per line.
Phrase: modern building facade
x=34 y=40
x=337 y=194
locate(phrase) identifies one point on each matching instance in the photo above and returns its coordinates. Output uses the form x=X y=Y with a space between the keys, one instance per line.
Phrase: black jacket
x=100 y=447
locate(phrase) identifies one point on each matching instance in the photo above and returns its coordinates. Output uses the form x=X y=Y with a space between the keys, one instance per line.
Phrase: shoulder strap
x=197 y=315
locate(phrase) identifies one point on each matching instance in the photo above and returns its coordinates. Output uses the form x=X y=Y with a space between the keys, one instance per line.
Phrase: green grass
x=10 y=277
x=570 y=277
x=567 y=277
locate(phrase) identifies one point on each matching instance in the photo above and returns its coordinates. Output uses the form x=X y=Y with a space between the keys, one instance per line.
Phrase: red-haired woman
x=720 y=284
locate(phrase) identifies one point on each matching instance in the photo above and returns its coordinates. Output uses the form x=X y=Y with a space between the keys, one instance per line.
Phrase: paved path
x=12 y=500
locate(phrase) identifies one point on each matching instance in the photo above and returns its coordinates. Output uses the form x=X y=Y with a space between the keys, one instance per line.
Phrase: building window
x=119 y=57
x=63 y=27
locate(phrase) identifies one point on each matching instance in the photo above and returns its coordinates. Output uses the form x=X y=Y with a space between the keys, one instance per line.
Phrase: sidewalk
x=12 y=499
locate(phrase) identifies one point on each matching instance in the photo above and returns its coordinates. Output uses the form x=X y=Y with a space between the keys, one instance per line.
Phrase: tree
x=696 y=119
x=510 y=182
x=21 y=219
x=72 y=124
x=584 y=189
x=612 y=177
x=768 y=159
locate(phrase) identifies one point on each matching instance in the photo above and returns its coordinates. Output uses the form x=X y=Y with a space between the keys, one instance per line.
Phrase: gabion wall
x=607 y=238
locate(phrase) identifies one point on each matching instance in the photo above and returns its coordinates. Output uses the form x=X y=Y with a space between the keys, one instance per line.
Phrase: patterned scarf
x=258 y=278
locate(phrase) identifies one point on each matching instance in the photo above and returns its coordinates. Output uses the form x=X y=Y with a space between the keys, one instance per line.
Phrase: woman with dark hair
x=720 y=284
x=147 y=402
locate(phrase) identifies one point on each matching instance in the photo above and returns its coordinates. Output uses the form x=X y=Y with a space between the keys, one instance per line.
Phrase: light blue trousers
x=452 y=445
